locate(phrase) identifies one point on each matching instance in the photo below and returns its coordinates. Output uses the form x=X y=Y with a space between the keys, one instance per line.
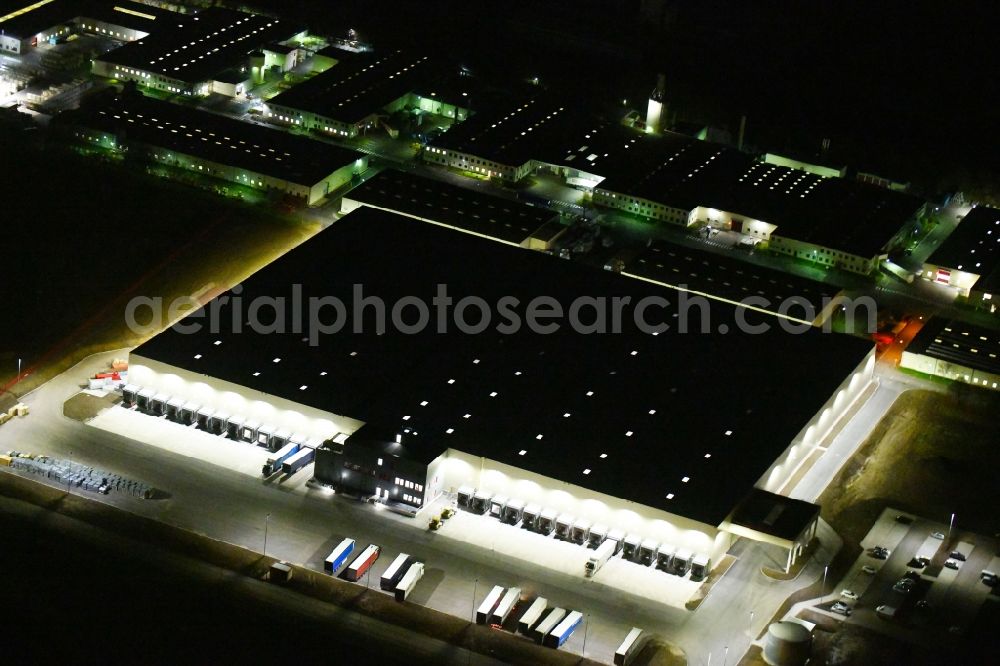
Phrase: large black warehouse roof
x=686 y=423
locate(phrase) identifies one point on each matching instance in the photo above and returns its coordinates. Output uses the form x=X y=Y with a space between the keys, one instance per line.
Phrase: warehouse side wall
x=819 y=426
x=238 y=400
x=462 y=469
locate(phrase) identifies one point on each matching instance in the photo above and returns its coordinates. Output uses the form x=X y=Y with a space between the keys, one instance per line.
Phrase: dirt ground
x=74 y=261
x=84 y=406
x=933 y=454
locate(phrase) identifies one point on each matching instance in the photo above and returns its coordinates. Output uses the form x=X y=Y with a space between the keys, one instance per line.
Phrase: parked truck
x=504 y=608
x=489 y=604
x=548 y=623
x=362 y=563
x=530 y=617
x=630 y=647
x=338 y=556
x=390 y=579
x=558 y=636
x=599 y=558
x=409 y=580
x=298 y=460
x=273 y=463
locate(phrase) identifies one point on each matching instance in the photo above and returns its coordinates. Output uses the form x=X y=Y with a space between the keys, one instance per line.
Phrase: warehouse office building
x=635 y=430
x=215 y=146
x=957 y=351
x=969 y=259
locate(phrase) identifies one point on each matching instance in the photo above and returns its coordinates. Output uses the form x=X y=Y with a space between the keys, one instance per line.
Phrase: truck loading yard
x=304 y=523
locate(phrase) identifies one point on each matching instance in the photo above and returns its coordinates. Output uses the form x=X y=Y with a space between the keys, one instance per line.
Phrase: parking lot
x=946 y=591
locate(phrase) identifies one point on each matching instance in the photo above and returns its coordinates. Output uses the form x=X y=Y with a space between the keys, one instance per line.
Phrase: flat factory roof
x=780 y=516
x=974 y=246
x=357 y=86
x=957 y=342
x=219 y=139
x=683 y=172
x=197 y=47
x=833 y=212
x=728 y=278
x=444 y=203
x=509 y=134
x=133 y=15
x=27 y=18
x=683 y=422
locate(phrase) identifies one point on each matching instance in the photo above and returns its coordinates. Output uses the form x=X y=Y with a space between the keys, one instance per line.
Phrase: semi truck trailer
x=530 y=617
x=338 y=556
x=362 y=563
x=273 y=464
x=409 y=580
x=390 y=579
x=558 y=636
x=298 y=460
x=489 y=604
x=599 y=558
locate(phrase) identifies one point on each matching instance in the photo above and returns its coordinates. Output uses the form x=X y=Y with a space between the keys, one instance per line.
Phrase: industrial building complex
x=633 y=430
x=681 y=180
x=215 y=146
x=215 y=50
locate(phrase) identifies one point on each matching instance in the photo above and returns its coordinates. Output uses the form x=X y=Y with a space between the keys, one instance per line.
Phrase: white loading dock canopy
x=775 y=519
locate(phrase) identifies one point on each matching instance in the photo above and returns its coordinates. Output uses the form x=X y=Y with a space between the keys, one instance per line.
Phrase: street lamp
x=825 y=569
x=586 y=628
x=951 y=526
x=751 y=627
x=266 y=519
x=725 y=657
x=475 y=591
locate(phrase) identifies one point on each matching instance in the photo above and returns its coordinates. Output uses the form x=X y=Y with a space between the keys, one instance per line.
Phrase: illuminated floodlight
x=521 y=452
x=586 y=471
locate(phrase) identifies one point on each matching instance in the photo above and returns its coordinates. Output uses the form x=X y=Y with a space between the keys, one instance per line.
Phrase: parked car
x=904 y=519
x=849 y=594
x=918 y=562
x=880 y=553
x=938 y=535
x=841 y=608
x=869 y=569
x=903 y=586
x=955 y=555
x=951 y=564
x=923 y=604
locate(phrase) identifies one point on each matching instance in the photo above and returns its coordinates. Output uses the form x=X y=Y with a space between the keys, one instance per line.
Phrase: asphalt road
x=303 y=527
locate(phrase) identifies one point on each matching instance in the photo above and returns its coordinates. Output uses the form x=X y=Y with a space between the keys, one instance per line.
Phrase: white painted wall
x=463 y=469
x=238 y=400
x=819 y=426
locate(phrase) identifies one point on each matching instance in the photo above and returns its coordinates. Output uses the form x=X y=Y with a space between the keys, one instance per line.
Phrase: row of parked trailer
x=549 y=626
x=292 y=451
x=605 y=541
x=400 y=578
